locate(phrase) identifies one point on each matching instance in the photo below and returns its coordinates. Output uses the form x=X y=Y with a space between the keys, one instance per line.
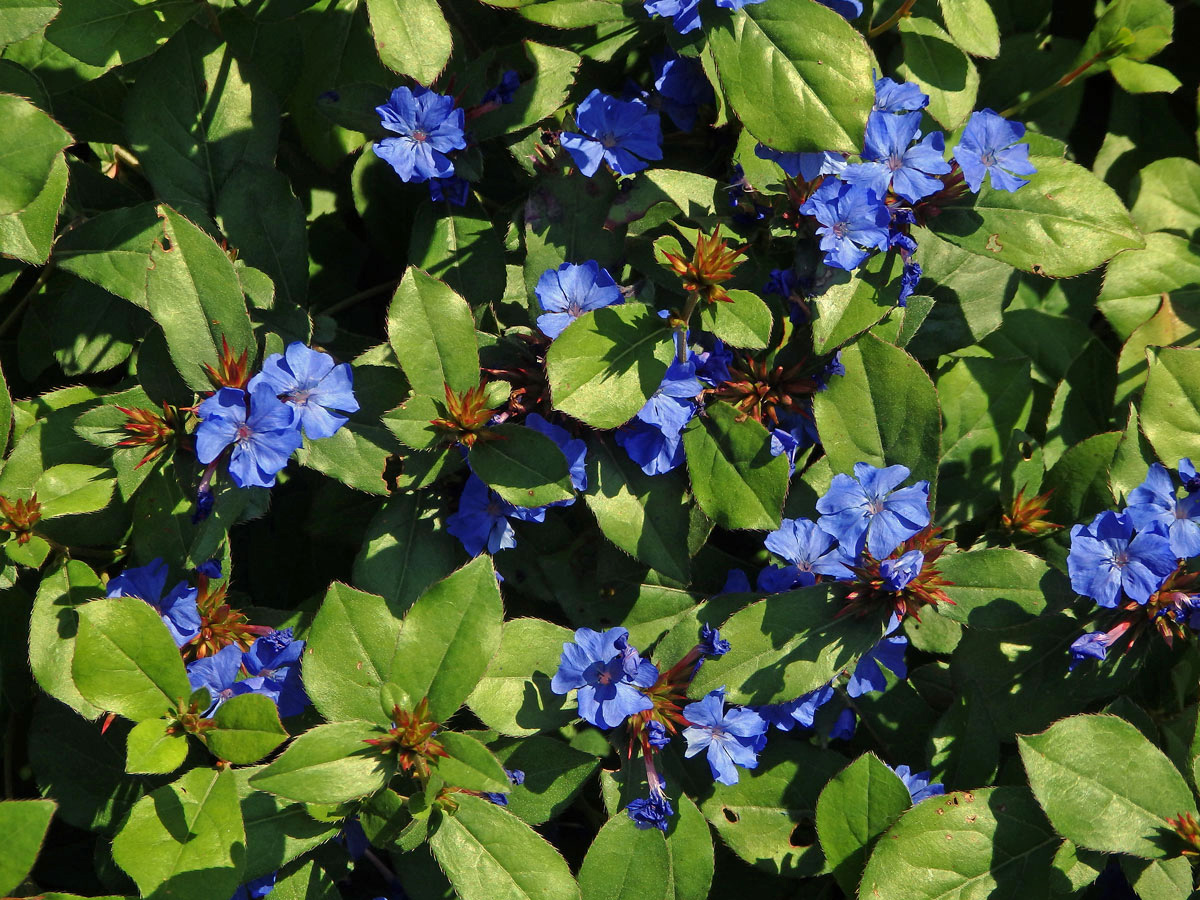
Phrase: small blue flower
x=569 y=291
x=656 y=734
x=450 y=190
x=806 y=166
x=847 y=9
x=178 y=608
x=574 y=449
x=623 y=133
x=1155 y=502
x=1189 y=476
x=652 y=812
x=801 y=711
x=919 y=787
x=781 y=282
x=909 y=278
x=263 y=440
x=685 y=14
x=209 y=569
x=218 y=674
x=898 y=97
x=854 y=220
x=712 y=644
x=868 y=674
x=1106 y=558
x=313 y=386
x=256 y=889
x=683 y=86
x=655 y=449
x=809 y=550
x=272 y=662
x=732 y=738
x=1093 y=645
x=867 y=510
x=654 y=437
x=844 y=727
x=606 y=673
x=503 y=92
x=429 y=126
x=898 y=573
x=515 y=777
x=482 y=521
x=989 y=145
x=889 y=162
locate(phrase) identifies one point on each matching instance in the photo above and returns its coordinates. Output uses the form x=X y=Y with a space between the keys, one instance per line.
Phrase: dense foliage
x=554 y=449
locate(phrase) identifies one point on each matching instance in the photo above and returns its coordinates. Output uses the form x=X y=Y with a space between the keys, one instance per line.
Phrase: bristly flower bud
x=903 y=583
x=762 y=392
x=231 y=371
x=21 y=516
x=711 y=265
x=220 y=624
x=149 y=429
x=1029 y=515
x=1188 y=829
x=466 y=415
x=411 y=739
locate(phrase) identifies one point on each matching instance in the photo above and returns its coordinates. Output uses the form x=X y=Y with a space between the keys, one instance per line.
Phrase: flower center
x=1120 y=558
x=875 y=506
x=244 y=432
x=420 y=136
x=841 y=229
x=574 y=310
x=609 y=141
x=300 y=398
x=895 y=161
x=988 y=158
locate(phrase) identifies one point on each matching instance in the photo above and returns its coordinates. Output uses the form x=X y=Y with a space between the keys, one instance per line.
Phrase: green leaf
x=995 y=587
x=785 y=646
x=1167 y=198
x=71 y=489
x=470 y=765
x=854 y=301
x=247 y=729
x=745 y=321
x=883 y=411
x=356 y=455
x=944 y=72
x=115 y=32
x=53 y=624
x=1079 y=479
x=523 y=466
x=857 y=805
x=973 y=26
x=431 y=329
x=329 y=764
x=646 y=516
x=1144 y=78
x=554 y=774
x=1001 y=843
x=736 y=480
x=795 y=73
x=152 y=750
x=1159 y=879
x=490 y=854
x=412 y=37
x=1105 y=787
x=1132 y=29
x=538 y=97
x=31 y=143
x=24 y=824
x=607 y=363
x=186 y=839
x=623 y=860
x=21 y=18
x=1065 y=222
x=126 y=661
x=307 y=881
x=348 y=657
x=27 y=235
x=462 y=248
x=448 y=638
x=514 y=695
x=194 y=295
x=1170 y=408
x=276 y=832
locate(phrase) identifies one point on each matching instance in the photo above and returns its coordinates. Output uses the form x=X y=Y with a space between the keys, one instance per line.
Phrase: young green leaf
x=329 y=764
x=24 y=824
x=152 y=750
x=433 y=334
x=247 y=728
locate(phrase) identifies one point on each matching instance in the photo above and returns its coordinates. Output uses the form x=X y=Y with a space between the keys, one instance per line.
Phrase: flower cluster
x=1135 y=561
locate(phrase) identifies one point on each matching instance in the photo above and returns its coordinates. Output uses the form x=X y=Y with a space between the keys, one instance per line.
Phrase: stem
x=12 y=318
x=900 y=13
x=681 y=330
x=387 y=873
x=1047 y=91
x=347 y=302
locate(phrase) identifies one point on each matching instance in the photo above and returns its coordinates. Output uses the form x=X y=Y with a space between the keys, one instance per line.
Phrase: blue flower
x=655 y=450
x=833 y=367
x=311 y=384
x=801 y=711
x=263 y=440
x=1154 y=502
x=178 y=608
x=1093 y=645
x=515 y=777
x=847 y=9
x=806 y=166
x=569 y=291
x=574 y=449
x=867 y=510
x=796 y=431
x=889 y=161
x=918 y=784
x=732 y=738
x=853 y=219
x=209 y=569
x=989 y=145
x=606 y=672
x=272 y=663
x=429 y=125
x=711 y=643
x=451 y=190
x=623 y=133
x=1189 y=476
x=482 y=521
x=781 y=282
x=684 y=88
x=712 y=366
x=736 y=582
x=503 y=92
x=652 y=812
x=256 y=889
x=1106 y=558
x=218 y=674
x=843 y=728
x=910 y=276
x=654 y=437
x=656 y=734
x=868 y=674
x=809 y=550
x=898 y=573
x=685 y=14
x=898 y=97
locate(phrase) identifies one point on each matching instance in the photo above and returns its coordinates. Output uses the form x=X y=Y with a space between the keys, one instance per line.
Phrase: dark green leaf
x=470 y=765
x=24 y=824
x=522 y=465
x=623 y=860
x=115 y=32
x=31 y=143
x=431 y=329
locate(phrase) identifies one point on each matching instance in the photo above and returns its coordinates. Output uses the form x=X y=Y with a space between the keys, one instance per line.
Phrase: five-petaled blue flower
x=810 y=552
x=889 y=161
x=606 y=673
x=1106 y=558
x=683 y=86
x=623 y=133
x=854 y=219
x=654 y=437
x=652 y=812
x=732 y=738
x=868 y=510
x=569 y=291
x=178 y=608
x=1154 y=501
x=312 y=385
x=429 y=126
x=482 y=521
x=989 y=145
x=263 y=439
x=898 y=97
x=918 y=784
